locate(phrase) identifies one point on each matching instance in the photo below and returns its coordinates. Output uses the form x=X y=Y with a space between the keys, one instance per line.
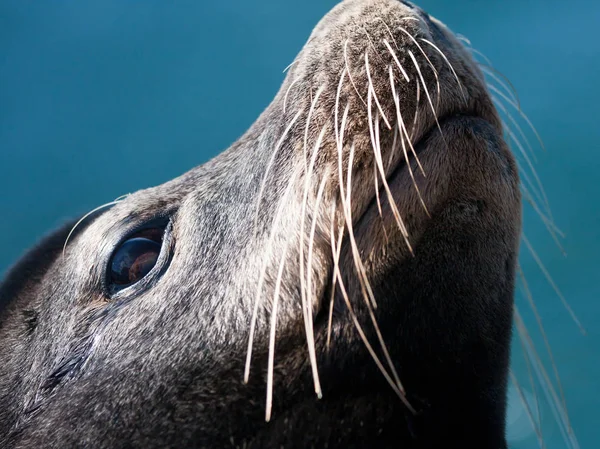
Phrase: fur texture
x=377 y=177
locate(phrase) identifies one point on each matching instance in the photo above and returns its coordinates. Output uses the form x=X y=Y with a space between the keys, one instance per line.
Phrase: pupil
x=134 y=260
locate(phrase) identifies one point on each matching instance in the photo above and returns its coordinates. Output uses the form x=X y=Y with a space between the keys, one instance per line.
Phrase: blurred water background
x=103 y=97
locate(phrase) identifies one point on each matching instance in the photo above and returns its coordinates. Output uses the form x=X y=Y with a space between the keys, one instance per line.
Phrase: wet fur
x=163 y=365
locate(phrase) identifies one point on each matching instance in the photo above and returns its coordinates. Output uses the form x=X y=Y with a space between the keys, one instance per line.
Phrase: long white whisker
x=387 y=123
x=372 y=45
x=261 y=279
x=310 y=112
x=388 y=30
x=394 y=147
x=268 y=169
x=363 y=336
x=403 y=128
x=350 y=73
x=304 y=289
x=310 y=333
x=362 y=276
x=464 y=39
x=449 y=65
x=379 y=162
x=433 y=109
x=435 y=72
x=271 y=361
x=397 y=61
x=346 y=204
x=414 y=125
x=347 y=214
x=287 y=93
x=336 y=249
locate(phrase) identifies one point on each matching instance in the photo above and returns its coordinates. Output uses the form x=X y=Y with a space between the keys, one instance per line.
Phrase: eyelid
x=167 y=242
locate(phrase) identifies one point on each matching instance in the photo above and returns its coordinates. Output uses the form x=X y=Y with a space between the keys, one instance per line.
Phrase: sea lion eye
x=135 y=258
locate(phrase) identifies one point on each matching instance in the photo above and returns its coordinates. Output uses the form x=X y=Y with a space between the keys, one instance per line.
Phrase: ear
x=25 y=275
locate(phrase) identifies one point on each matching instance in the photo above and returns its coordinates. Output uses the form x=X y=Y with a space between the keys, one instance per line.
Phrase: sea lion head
x=344 y=270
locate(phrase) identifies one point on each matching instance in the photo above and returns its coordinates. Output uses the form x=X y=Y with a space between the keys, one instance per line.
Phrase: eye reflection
x=135 y=258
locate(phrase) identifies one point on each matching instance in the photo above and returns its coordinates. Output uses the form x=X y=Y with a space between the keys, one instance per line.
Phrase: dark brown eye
x=133 y=260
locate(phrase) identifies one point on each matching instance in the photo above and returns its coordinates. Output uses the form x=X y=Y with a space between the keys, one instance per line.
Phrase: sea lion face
x=358 y=244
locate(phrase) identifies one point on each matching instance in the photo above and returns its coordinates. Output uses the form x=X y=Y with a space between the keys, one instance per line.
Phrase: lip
x=398 y=170
x=321 y=317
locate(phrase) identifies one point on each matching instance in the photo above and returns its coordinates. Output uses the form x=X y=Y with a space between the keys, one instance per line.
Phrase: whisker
x=510 y=117
x=559 y=414
x=379 y=162
x=476 y=52
x=435 y=72
x=403 y=128
x=295 y=61
x=518 y=109
x=310 y=112
x=311 y=340
x=449 y=65
x=287 y=93
x=433 y=110
x=414 y=125
x=305 y=289
x=388 y=30
x=362 y=276
x=387 y=44
x=393 y=149
x=372 y=45
x=553 y=285
x=529 y=364
x=268 y=169
x=376 y=179
x=336 y=250
x=464 y=39
x=261 y=279
x=363 y=336
x=387 y=123
x=504 y=82
x=271 y=361
x=337 y=108
x=525 y=403
x=538 y=319
x=82 y=219
x=553 y=230
x=540 y=194
x=347 y=208
x=350 y=74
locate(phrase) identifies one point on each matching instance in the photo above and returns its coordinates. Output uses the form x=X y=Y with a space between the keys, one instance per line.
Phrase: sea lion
x=341 y=276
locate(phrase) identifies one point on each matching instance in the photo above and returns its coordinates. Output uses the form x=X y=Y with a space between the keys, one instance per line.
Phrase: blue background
x=103 y=97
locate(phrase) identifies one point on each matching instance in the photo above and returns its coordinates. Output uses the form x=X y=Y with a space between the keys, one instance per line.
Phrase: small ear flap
x=32 y=267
